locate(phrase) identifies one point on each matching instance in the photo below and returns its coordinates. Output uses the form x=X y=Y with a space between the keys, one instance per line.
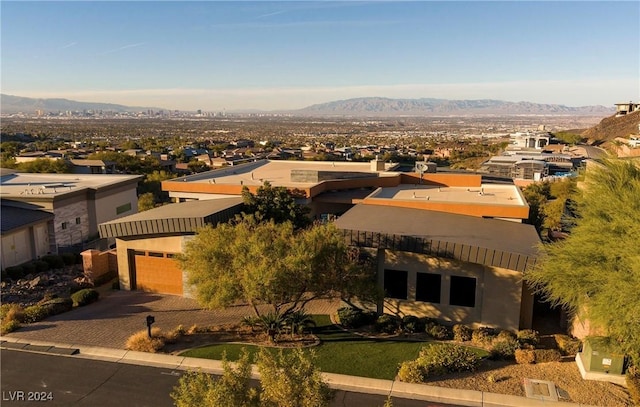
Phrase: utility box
x=599 y=356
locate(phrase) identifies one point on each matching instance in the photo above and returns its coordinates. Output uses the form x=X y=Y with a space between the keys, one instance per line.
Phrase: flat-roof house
x=79 y=202
x=448 y=245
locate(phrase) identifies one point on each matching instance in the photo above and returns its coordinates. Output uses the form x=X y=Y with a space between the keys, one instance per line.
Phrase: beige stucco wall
x=498 y=291
x=16 y=248
x=106 y=204
x=169 y=244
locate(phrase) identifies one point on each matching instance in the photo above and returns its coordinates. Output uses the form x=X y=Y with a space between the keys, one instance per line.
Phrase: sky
x=228 y=56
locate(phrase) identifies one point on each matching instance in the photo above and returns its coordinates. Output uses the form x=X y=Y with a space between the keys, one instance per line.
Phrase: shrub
x=180 y=330
x=438 y=360
x=412 y=324
x=461 y=333
x=69 y=259
x=40 y=266
x=351 y=317
x=411 y=372
x=193 y=329
x=29 y=268
x=15 y=272
x=53 y=261
x=35 y=313
x=9 y=326
x=437 y=331
x=528 y=356
x=503 y=348
x=567 y=345
x=387 y=324
x=482 y=336
x=58 y=305
x=525 y=356
x=633 y=384
x=506 y=335
x=11 y=312
x=141 y=342
x=547 y=355
x=84 y=297
x=528 y=337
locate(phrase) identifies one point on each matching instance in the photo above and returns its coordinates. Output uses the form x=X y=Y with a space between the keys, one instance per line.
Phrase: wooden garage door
x=155 y=272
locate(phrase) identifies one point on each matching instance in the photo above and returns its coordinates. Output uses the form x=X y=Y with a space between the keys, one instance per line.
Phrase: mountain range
x=358 y=107
x=15 y=104
x=376 y=106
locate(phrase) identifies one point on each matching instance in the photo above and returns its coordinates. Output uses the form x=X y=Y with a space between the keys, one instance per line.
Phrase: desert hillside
x=611 y=127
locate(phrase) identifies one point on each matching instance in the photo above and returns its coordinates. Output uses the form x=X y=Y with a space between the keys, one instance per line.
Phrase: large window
x=428 y=287
x=463 y=291
x=395 y=284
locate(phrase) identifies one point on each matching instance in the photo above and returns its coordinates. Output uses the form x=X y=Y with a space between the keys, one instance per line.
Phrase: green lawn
x=340 y=352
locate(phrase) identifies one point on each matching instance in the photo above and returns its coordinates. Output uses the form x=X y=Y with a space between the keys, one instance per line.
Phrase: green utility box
x=599 y=355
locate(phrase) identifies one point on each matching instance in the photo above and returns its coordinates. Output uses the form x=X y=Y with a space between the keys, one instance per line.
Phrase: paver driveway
x=119 y=314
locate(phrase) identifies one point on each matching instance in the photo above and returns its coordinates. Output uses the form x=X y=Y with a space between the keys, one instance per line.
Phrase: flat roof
x=278 y=172
x=22 y=184
x=183 y=217
x=485 y=194
x=490 y=242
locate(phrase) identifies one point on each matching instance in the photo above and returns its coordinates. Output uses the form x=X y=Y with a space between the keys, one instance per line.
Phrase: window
x=395 y=284
x=123 y=208
x=428 y=287
x=64 y=225
x=156 y=254
x=171 y=255
x=463 y=291
x=139 y=253
x=77 y=221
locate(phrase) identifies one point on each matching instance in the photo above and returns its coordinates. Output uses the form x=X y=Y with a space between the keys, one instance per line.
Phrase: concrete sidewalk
x=335 y=381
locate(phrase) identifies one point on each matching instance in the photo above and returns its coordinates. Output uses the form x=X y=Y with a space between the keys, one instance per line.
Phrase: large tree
x=275 y=264
x=595 y=271
x=275 y=203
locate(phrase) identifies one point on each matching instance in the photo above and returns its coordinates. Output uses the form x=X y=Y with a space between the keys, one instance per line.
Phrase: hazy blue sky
x=279 y=55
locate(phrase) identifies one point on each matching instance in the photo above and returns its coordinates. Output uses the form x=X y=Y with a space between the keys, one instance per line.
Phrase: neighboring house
x=147 y=242
x=78 y=202
x=93 y=167
x=626 y=108
x=26 y=234
x=32 y=156
x=448 y=245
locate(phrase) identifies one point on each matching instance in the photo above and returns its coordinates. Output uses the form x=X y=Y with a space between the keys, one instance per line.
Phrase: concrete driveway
x=119 y=314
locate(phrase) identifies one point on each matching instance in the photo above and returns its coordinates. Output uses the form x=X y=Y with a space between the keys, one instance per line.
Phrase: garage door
x=157 y=272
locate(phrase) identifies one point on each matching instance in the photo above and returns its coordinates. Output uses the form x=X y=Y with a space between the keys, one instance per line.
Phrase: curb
x=470 y=398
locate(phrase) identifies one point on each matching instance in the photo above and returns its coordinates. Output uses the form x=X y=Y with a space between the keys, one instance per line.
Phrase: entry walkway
x=117 y=315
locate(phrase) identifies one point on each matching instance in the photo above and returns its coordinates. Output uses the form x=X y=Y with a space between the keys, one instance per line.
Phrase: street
x=30 y=379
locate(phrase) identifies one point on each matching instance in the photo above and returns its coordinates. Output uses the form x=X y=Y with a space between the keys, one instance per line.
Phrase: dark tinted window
x=463 y=291
x=395 y=284
x=428 y=287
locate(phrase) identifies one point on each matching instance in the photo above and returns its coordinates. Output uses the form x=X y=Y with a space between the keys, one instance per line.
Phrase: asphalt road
x=51 y=380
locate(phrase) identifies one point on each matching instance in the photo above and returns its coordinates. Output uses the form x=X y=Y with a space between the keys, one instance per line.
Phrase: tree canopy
x=595 y=271
x=269 y=263
x=276 y=204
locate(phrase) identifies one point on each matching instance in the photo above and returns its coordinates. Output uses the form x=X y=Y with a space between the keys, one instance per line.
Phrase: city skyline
x=289 y=55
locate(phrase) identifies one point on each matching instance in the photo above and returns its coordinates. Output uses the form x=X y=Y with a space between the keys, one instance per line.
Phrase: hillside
x=611 y=127
x=377 y=106
x=15 y=104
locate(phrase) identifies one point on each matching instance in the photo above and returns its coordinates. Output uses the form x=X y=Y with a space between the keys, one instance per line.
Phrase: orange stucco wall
x=479 y=210
x=448 y=180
